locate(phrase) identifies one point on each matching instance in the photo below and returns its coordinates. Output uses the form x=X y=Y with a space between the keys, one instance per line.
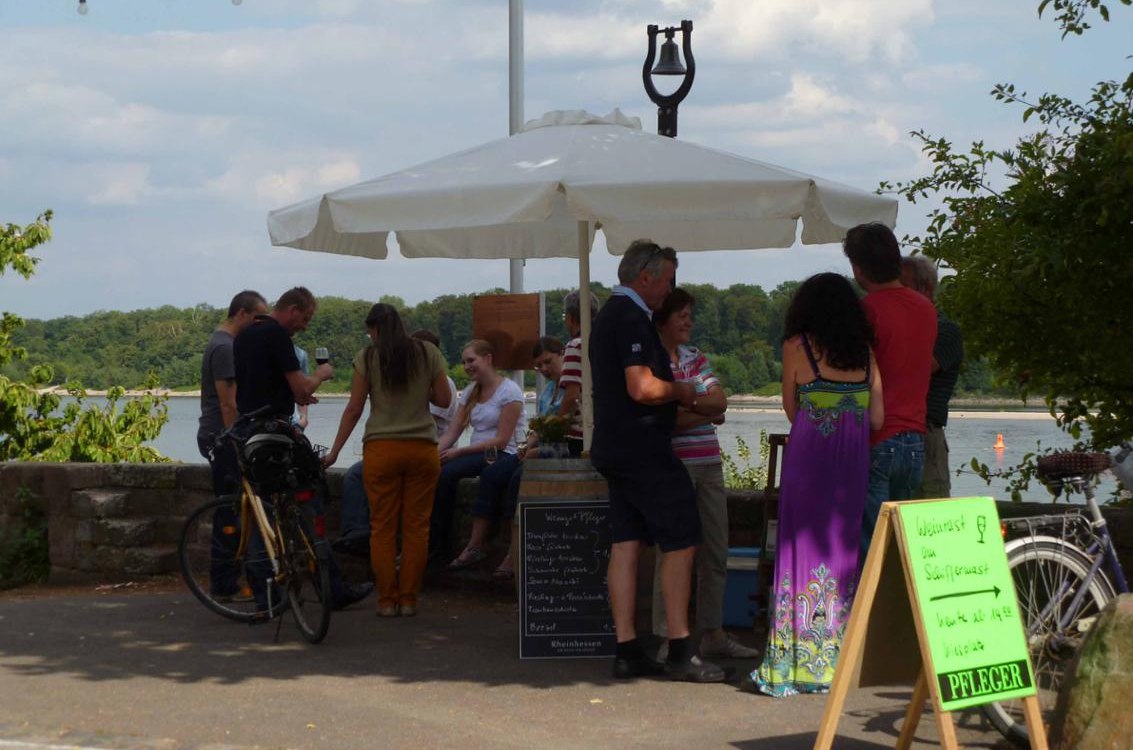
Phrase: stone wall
x=110 y=522
x=113 y=522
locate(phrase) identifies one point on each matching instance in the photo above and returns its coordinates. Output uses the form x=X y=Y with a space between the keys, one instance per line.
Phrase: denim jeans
x=444 y=502
x=355 y=506
x=491 y=498
x=224 y=577
x=896 y=465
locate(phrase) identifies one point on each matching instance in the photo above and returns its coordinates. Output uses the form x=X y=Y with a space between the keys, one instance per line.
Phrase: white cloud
x=117 y=184
x=269 y=179
x=189 y=120
x=934 y=77
x=854 y=29
x=808 y=99
x=735 y=30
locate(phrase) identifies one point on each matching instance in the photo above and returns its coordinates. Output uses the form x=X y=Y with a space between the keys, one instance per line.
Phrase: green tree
x=732 y=372
x=1039 y=236
x=1073 y=15
x=106 y=348
x=37 y=426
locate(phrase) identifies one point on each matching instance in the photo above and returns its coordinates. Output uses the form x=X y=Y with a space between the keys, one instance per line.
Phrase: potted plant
x=552 y=431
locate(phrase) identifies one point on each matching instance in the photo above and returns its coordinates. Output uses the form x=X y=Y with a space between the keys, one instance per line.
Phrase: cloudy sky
x=162 y=131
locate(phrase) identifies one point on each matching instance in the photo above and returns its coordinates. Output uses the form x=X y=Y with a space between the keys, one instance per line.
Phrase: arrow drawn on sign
x=994 y=589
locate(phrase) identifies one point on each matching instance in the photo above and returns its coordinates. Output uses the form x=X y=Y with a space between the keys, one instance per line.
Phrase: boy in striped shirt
x=570 y=381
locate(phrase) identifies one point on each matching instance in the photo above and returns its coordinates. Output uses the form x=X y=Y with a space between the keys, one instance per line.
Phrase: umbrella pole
x=584 y=319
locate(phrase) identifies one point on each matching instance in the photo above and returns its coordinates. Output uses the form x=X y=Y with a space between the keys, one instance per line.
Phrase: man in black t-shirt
x=652 y=499
x=268 y=372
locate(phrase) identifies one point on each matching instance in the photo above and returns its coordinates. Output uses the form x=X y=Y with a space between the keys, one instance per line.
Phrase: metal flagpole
x=515 y=122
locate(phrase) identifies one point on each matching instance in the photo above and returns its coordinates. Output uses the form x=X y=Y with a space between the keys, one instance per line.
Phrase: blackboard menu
x=564 y=605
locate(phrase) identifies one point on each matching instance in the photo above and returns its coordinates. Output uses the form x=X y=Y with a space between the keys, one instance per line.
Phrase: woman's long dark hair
x=826 y=309
x=399 y=356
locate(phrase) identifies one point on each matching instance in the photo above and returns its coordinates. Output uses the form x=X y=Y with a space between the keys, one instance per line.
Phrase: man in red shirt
x=904 y=326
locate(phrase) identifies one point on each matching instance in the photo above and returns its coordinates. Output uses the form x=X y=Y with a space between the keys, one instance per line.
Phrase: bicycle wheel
x=308 y=577
x=212 y=565
x=1048 y=572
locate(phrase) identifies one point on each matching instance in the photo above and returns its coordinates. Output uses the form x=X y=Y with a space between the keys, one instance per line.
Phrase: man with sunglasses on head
x=652 y=499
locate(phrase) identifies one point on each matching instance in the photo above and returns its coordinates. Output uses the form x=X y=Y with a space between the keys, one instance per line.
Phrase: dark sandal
x=503 y=574
x=468 y=558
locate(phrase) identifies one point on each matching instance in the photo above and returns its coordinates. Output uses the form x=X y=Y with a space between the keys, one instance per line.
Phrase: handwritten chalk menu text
x=967 y=601
x=564 y=605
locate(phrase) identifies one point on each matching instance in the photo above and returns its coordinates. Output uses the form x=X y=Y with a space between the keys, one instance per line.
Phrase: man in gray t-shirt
x=218 y=389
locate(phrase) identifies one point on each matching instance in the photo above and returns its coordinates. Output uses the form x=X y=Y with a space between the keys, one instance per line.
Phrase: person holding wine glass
x=493 y=406
x=299 y=417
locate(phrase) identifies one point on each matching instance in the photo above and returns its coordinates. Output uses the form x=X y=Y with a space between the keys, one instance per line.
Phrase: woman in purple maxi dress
x=832 y=395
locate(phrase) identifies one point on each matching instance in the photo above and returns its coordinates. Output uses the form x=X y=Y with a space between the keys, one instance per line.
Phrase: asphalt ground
x=146 y=666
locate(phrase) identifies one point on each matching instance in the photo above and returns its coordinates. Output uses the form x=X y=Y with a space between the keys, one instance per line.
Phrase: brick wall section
x=110 y=522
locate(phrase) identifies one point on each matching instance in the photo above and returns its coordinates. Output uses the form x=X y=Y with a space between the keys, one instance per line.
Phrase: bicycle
x=237 y=553
x=1065 y=570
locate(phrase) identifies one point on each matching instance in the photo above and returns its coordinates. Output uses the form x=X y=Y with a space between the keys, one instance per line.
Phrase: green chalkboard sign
x=966 y=600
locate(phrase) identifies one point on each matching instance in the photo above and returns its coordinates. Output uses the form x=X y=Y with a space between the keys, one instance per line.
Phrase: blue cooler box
x=743 y=577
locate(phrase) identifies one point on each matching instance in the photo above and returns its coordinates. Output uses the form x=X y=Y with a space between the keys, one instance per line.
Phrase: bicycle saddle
x=1067 y=464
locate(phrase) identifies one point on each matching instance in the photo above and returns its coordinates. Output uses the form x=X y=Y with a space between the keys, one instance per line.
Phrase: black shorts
x=652 y=500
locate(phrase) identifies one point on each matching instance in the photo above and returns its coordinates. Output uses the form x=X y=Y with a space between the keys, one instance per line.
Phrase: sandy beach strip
x=746 y=404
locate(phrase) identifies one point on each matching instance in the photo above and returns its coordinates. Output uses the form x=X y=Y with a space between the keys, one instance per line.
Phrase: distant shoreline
x=960 y=408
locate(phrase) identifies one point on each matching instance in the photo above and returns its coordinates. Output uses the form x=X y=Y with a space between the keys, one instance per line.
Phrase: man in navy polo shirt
x=268 y=372
x=652 y=500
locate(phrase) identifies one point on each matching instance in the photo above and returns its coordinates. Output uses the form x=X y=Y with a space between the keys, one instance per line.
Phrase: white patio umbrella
x=543 y=192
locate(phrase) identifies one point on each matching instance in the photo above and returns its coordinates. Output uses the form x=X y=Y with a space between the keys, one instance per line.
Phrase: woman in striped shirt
x=695 y=443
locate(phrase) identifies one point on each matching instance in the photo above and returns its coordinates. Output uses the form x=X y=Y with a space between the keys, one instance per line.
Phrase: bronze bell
x=670 y=62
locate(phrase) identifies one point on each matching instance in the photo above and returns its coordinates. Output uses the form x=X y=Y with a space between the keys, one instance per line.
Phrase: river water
x=971 y=434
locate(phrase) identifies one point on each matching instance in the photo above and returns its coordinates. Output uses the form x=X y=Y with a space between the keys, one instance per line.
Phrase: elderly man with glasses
x=652 y=499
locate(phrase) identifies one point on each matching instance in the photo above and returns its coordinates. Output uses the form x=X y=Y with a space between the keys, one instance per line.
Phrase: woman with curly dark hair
x=832 y=396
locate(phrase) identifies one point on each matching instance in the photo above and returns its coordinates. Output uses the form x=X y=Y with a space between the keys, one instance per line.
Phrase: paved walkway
x=121 y=669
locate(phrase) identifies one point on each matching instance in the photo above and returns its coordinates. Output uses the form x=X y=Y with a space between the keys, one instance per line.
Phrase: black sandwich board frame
x=570 y=541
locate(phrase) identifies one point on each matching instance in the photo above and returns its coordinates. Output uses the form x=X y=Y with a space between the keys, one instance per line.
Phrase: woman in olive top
x=400 y=462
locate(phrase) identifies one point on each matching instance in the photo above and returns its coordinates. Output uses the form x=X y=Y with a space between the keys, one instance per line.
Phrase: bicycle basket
x=1065 y=464
x=268 y=458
